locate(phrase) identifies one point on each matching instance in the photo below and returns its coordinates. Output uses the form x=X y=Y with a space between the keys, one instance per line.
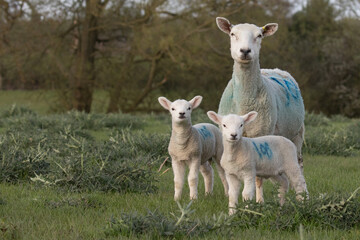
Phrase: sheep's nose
x=233 y=135
x=182 y=113
x=245 y=51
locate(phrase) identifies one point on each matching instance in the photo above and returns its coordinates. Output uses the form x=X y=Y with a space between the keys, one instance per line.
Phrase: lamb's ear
x=164 y=102
x=223 y=24
x=269 y=29
x=216 y=118
x=250 y=117
x=195 y=102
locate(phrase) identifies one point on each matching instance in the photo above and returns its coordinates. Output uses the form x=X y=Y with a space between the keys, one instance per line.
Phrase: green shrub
x=314 y=120
x=332 y=140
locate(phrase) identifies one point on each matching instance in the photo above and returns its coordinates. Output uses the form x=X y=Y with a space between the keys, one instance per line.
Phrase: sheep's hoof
x=232 y=211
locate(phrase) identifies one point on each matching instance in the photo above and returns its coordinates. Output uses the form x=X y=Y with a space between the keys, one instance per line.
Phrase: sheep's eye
x=232 y=34
x=259 y=36
x=241 y=125
x=172 y=109
x=224 y=125
x=189 y=108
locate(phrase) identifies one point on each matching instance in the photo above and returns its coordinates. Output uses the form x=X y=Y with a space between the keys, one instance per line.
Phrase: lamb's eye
x=189 y=108
x=259 y=36
x=241 y=125
x=232 y=34
x=172 y=109
x=224 y=125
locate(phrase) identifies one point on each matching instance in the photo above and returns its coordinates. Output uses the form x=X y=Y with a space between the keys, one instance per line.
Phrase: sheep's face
x=245 y=39
x=180 y=109
x=232 y=125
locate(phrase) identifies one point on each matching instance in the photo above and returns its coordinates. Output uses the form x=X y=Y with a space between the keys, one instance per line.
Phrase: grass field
x=75 y=192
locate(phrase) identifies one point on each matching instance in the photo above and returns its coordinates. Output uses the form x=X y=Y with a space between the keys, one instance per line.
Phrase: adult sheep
x=273 y=93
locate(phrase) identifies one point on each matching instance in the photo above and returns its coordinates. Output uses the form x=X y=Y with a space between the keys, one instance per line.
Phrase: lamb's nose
x=182 y=113
x=233 y=136
x=245 y=51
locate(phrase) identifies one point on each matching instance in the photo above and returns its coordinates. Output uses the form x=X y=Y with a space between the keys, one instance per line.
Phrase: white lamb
x=193 y=146
x=273 y=93
x=245 y=158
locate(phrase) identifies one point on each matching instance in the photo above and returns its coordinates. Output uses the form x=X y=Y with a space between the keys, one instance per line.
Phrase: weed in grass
x=324 y=212
x=82 y=202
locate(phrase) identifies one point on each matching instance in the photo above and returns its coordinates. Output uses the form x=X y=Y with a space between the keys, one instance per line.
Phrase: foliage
x=325 y=212
x=145 y=49
x=59 y=150
x=332 y=140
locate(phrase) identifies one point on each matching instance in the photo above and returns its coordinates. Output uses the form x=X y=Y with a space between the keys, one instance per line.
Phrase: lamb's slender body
x=193 y=146
x=273 y=93
x=244 y=159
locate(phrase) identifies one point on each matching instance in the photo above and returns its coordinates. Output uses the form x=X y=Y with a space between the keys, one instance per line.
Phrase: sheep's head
x=245 y=39
x=232 y=125
x=180 y=109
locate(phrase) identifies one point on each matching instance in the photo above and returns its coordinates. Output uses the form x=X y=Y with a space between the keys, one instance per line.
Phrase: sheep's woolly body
x=274 y=94
x=199 y=141
x=193 y=146
x=272 y=157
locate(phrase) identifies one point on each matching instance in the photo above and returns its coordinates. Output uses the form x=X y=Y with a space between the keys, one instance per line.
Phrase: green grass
x=30 y=212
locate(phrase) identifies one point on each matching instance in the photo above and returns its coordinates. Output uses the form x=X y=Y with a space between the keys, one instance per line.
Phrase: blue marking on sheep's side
x=290 y=89
x=263 y=150
x=205 y=133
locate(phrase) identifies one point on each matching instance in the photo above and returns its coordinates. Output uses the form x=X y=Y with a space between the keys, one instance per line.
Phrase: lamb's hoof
x=208 y=194
x=232 y=211
x=193 y=197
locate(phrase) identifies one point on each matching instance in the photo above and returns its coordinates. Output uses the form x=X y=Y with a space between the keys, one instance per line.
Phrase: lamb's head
x=180 y=109
x=232 y=125
x=245 y=39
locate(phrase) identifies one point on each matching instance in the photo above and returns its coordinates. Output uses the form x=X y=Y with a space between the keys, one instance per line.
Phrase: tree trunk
x=84 y=76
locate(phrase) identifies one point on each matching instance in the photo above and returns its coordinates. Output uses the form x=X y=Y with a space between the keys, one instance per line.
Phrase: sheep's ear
x=269 y=29
x=216 y=118
x=164 y=102
x=223 y=24
x=195 y=102
x=250 y=117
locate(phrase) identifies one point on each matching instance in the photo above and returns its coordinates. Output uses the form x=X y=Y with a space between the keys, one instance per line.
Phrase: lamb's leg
x=249 y=188
x=297 y=181
x=179 y=174
x=193 y=177
x=223 y=178
x=298 y=141
x=208 y=174
x=259 y=190
x=234 y=189
x=284 y=187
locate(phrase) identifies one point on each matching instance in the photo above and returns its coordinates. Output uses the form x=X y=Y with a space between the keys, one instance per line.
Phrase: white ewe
x=193 y=146
x=273 y=93
x=244 y=158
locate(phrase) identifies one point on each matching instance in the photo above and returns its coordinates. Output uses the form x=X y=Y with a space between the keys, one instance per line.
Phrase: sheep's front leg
x=234 y=189
x=179 y=174
x=259 y=190
x=223 y=178
x=249 y=187
x=208 y=174
x=193 y=177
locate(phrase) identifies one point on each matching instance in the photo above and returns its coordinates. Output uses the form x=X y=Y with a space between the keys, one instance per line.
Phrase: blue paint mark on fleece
x=290 y=89
x=264 y=150
x=205 y=133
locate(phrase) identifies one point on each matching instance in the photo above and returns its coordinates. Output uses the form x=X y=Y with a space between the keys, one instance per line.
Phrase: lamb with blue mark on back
x=244 y=159
x=194 y=146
